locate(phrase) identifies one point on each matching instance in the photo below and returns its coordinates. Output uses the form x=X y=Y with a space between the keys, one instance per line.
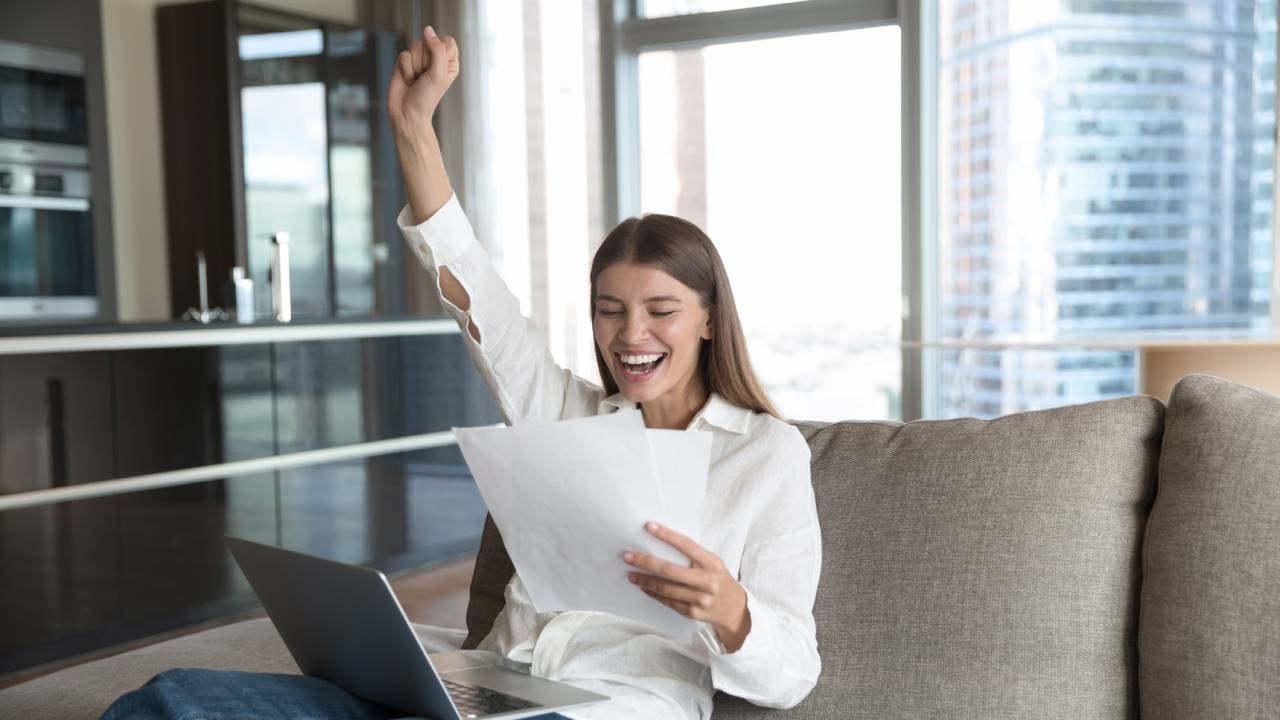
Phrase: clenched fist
x=423 y=74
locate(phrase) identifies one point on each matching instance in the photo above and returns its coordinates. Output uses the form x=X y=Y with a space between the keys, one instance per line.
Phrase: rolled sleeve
x=778 y=663
x=512 y=354
x=442 y=238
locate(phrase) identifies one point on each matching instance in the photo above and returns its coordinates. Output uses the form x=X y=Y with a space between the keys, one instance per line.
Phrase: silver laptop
x=343 y=624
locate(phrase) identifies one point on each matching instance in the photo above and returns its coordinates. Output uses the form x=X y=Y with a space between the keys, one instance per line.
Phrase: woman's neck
x=674 y=411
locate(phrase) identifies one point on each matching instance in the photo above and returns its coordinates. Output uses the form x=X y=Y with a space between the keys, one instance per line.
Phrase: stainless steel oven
x=46 y=243
x=47 y=267
x=42 y=105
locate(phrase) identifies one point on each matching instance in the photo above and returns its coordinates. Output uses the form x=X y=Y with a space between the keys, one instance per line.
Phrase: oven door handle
x=35 y=202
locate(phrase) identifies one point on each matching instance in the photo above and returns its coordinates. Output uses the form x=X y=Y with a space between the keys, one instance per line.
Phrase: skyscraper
x=1106 y=166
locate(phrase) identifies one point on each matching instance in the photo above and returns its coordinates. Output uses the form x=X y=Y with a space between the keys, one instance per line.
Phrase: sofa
x=1117 y=559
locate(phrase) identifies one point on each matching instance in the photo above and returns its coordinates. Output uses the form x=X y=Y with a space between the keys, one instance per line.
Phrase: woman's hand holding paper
x=702 y=591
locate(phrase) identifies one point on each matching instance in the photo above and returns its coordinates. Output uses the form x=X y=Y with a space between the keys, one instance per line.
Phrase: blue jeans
x=193 y=694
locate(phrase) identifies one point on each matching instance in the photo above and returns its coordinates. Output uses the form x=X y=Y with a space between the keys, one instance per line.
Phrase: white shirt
x=760 y=519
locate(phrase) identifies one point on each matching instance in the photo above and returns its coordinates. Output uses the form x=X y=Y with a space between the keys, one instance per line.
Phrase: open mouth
x=639 y=367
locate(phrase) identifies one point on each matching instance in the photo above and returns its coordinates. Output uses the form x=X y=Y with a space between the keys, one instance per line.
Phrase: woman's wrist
x=416 y=145
x=733 y=633
x=425 y=179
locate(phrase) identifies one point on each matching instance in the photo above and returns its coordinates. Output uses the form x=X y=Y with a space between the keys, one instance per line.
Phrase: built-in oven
x=47 y=267
x=42 y=105
x=46 y=243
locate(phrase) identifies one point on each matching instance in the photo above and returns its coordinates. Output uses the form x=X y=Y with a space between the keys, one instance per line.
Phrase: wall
x=73 y=25
x=133 y=121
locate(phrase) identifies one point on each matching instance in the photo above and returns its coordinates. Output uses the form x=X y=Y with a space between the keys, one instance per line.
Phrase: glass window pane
x=770 y=147
x=662 y=8
x=535 y=166
x=1104 y=167
x=284 y=130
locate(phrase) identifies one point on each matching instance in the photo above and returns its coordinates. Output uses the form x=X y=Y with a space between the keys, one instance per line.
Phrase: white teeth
x=639 y=359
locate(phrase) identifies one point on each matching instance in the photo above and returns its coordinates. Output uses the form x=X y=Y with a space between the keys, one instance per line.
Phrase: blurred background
x=928 y=209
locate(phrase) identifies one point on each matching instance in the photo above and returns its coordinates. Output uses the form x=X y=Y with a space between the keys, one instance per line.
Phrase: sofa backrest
x=1209 y=644
x=970 y=568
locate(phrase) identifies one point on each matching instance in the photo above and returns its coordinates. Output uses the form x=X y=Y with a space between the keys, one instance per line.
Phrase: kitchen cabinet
x=57 y=562
x=92 y=573
x=273 y=122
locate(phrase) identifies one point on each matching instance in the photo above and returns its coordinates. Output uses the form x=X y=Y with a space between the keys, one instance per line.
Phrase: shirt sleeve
x=512 y=354
x=778 y=664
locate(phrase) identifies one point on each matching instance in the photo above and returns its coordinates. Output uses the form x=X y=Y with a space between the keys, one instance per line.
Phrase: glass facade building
x=1105 y=168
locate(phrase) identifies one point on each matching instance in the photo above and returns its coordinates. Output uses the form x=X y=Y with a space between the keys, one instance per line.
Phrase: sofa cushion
x=1209 y=643
x=489 y=580
x=970 y=568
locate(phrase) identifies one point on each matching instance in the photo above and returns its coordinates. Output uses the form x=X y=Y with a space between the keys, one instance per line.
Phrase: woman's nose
x=634 y=330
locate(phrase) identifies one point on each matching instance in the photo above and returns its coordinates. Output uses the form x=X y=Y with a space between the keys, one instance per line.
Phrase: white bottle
x=281 y=304
x=244 y=295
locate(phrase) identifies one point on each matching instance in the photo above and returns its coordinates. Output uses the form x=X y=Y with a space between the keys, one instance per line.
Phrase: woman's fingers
x=416 y=52
x=451 y=52
x=692 y=550
x=680 y=607
x=657 y=566
x=437 y=55
x=672 y=590
x=404 y=63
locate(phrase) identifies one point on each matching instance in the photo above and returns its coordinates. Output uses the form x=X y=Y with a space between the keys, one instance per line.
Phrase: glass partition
x=284 y=132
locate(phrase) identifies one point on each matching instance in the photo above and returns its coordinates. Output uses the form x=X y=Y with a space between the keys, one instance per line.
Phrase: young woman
x=669 y=342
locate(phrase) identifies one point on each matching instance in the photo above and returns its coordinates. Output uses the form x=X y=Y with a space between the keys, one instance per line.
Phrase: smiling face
x=649 y=327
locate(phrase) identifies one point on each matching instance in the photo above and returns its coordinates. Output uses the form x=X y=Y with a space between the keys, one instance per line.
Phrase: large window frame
x=625 y=33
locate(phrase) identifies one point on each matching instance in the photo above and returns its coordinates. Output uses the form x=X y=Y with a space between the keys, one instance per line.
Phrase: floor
x=437 y=596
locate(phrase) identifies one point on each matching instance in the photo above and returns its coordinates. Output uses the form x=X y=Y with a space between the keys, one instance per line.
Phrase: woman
x=668 y=341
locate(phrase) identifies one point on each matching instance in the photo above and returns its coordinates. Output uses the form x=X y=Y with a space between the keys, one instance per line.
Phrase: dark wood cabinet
x=56 y=423
x=57 y=563
x=275 y=122
x=88 y=574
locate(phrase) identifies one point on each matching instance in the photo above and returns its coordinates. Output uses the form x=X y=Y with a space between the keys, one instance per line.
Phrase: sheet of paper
x=570 y=497
x=680 y=463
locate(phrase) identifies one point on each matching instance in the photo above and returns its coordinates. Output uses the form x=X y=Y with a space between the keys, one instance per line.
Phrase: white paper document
x=570 y=497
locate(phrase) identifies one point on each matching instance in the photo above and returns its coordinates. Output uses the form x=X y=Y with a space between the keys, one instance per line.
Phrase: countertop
x=25 y=339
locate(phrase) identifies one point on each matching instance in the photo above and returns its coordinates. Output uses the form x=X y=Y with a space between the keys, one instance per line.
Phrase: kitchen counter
x=28 y=339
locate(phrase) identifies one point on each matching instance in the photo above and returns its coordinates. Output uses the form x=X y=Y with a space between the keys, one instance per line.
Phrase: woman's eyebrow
x=656 y=298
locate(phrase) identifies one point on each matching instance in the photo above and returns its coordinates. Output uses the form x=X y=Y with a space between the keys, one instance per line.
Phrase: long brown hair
x=680 y=249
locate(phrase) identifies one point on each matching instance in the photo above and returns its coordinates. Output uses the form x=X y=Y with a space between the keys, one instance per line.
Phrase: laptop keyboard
x=477 y=701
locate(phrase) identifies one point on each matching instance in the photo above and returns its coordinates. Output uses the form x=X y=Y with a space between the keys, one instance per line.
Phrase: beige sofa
x=1118 y=559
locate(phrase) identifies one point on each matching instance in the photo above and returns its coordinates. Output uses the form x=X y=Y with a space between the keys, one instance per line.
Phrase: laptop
x=343 y=624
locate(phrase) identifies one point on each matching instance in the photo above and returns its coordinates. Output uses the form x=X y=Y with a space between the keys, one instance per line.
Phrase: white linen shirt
x=759 y=518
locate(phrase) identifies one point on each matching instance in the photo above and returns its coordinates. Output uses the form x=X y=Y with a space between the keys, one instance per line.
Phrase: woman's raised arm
x=513 y=357
x=422 y=76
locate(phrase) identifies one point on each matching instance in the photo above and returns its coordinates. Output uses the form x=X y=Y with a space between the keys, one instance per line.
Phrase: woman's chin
x=636 y=392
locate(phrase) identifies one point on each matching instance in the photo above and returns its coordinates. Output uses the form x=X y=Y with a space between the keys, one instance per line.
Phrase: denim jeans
x=193 y=694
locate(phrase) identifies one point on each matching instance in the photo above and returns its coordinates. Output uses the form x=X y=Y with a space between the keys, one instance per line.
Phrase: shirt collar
x=717 y=412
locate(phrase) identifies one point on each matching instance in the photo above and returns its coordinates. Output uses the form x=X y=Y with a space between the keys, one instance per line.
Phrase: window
x=1105 y=168
x=786 y=151
x=661 y=8
x=1080 y=170
x=532 y=176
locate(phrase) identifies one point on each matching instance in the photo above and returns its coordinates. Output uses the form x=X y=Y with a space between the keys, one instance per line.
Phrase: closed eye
x=663 y=314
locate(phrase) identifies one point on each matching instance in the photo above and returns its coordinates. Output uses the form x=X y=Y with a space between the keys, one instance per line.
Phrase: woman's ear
x=706 y=329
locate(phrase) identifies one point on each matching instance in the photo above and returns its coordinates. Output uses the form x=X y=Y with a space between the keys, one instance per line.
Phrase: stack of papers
x=570 y=497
